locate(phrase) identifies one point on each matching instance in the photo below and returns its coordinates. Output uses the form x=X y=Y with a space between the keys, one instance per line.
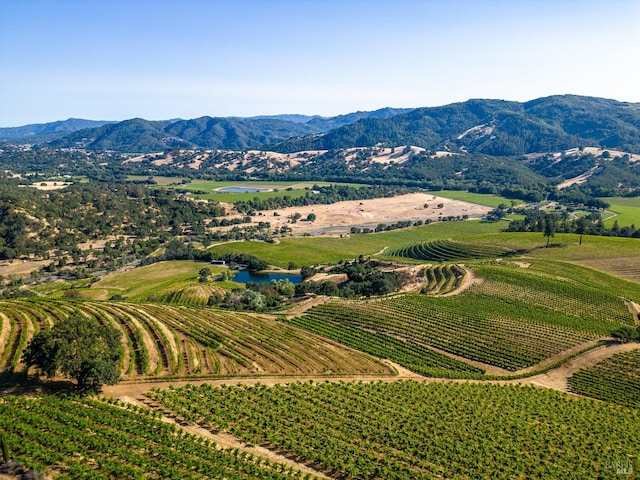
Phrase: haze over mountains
x=494 y=127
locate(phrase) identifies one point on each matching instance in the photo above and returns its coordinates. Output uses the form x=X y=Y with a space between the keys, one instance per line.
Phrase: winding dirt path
x=557 y=378
x=468 y=280
x=226 y=440
x=634 y=309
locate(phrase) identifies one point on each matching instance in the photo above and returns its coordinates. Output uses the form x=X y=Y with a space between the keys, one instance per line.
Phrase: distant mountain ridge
x=48 y=131
x=234 y=133
x=494 y=127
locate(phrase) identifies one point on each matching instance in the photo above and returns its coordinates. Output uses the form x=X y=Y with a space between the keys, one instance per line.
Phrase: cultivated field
x=170 y=341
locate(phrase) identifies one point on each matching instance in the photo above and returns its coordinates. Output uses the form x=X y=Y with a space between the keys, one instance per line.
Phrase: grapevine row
x=447 y=251
x=404 y=430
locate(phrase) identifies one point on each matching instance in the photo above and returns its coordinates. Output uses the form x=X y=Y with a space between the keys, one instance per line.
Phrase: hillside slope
x=494 y=127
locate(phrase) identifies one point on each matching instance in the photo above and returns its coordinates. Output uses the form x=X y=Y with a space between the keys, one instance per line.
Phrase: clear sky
x=161 y=59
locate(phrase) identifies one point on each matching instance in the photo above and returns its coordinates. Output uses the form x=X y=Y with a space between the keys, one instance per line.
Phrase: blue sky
x=160 y=59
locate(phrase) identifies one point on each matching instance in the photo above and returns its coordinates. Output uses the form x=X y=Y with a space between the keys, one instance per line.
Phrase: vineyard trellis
x=170 y=341
x=511 y=320
x=94 y=439
x=448 y=251
x=404 y=430
x=616 y=379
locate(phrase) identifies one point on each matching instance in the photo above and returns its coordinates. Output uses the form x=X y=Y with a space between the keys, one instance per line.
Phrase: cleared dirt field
x=338 y=218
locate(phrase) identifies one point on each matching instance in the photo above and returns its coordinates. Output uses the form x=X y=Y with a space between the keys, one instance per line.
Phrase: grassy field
x=627 y=211
x=279 y=189
x=314 y=250
x=139 y=283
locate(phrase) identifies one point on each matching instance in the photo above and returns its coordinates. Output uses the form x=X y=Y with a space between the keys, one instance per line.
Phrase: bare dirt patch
x=578 y=180
x=51 y=185
x=338 y=218
x=558 y=377
x=21 y=267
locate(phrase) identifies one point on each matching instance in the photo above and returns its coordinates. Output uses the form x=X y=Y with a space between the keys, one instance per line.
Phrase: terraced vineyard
x=512 y=320
x=93 y=439
x=404 y=430
x=440 y=279
x=192 y=295
x=616 y=379
x=448 y=251
x=163 y=340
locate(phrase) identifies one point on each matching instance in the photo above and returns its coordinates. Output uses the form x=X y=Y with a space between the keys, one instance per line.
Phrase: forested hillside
x=494 y=127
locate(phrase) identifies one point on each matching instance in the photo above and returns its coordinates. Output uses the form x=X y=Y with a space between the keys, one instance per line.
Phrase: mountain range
x=494 y=127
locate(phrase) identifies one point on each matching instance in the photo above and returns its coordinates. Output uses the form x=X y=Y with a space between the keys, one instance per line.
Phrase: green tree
x=626 y=334
x=80 y=348
x=204 y=273
x=581 y=227
x=550 y=225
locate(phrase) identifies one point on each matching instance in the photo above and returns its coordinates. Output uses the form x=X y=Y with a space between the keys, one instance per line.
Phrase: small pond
x=244 y=276
x=241 y=189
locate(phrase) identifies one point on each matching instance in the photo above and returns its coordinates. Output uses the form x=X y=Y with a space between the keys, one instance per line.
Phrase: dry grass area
x=338 y=218
x=596 y=151
x=623 y=267
x=51 y=185
x=21 y=267
x=235 y=159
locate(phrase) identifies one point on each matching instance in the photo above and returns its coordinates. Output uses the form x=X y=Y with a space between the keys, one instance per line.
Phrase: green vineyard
x=441 y=279
x=168 y=341
x=448 y=251
x=96 y=440
x=404 y=430
x=616 y=379
x=510 y=320
x=193 y=295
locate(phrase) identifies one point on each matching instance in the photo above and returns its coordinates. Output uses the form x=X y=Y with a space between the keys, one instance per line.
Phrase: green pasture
x=564 y=246
x=139 y=283
x=314 y=250
x=479 y=198
x=278 y=189
x=626 y=211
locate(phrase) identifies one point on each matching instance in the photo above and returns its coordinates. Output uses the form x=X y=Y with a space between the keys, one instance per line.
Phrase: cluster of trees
x=627 y=334
x=256 y=297
x=322 y=195
x=32 y=222
x=564 y=222
x=364 y=279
